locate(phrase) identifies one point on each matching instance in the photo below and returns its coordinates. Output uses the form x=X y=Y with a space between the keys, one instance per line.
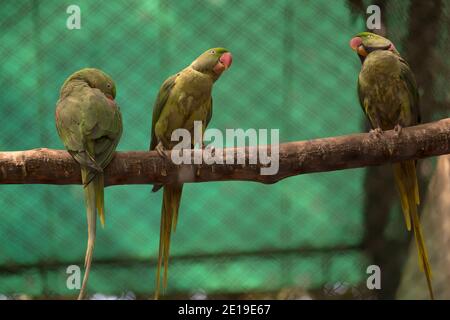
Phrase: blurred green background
x=293 y=70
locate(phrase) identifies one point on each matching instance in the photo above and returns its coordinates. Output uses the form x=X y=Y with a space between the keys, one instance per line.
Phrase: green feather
x=89 y=124
x=388 y=95
x=182 y=99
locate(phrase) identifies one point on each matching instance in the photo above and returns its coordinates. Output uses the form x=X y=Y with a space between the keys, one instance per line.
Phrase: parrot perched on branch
x=388 y=95
x=182 y=99
x=89 y=124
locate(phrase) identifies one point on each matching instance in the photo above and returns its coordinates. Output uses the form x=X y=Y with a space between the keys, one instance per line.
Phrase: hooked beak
x=357 y=46
x=223 y=63
x=355 y=43
x=226 y=59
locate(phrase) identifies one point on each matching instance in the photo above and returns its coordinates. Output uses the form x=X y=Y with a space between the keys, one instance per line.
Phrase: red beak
x=226 y=59
x=355 y=43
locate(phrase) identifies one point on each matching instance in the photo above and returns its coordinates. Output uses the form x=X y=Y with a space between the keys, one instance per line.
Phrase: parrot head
x=213 y=61
x=366 y=42
x=95 y=78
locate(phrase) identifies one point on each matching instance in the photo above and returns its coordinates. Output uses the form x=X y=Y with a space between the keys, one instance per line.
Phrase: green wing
x=408 y=77
x=90 y=127
x=160 y=102
x=361 y=98
x=209 y=116
x=107 y=131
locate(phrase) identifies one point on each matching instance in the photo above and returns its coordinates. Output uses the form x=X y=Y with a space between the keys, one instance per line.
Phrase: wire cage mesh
x=307 y=236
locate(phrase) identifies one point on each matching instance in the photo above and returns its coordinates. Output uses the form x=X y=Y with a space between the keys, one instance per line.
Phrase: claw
x=161 y=151
x=376 y=133
x=213 y=151
x=398 y=129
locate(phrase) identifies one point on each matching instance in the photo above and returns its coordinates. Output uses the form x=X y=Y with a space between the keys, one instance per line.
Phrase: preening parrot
x=182 y=99
x=388 y=95
x=89 y=124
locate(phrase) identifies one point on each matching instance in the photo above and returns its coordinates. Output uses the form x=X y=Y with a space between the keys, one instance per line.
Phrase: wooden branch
x=45 y=166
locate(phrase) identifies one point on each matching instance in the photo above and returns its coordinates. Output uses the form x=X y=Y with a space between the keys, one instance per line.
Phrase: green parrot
x=388 y=95
x=89 y=124
x=182 y=99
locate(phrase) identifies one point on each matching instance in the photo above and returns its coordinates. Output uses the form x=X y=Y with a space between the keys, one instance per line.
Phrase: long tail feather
x=93 y=193
x=100 y=197
x=406 y=179
x=169 y=217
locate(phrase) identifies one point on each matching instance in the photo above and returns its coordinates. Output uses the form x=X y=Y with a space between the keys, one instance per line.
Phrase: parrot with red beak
x=388 y=95
x=182 y=99
x=89 y=124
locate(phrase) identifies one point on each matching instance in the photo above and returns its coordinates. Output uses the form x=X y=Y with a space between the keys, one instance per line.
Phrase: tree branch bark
x=46 y=166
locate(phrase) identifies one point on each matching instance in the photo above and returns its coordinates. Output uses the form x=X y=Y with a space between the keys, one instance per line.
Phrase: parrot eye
x=212 y=51
x=108 y=85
